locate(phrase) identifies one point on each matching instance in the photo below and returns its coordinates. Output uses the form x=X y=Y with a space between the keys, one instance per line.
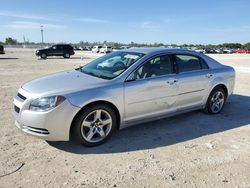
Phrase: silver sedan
x=121 y=89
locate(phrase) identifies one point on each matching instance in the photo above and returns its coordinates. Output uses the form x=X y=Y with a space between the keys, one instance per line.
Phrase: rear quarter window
x=203 y=64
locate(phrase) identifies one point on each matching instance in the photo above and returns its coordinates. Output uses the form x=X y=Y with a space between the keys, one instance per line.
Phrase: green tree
x=231 y=45
x=247 y=45
x=10 y=40
x=174 y=45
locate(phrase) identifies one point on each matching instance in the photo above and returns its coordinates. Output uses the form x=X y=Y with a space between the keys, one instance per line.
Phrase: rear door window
x=186 y=63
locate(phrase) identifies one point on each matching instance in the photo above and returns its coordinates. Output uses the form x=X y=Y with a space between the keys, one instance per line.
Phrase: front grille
x=36 y=130
x=17 y=110
x=21 y=96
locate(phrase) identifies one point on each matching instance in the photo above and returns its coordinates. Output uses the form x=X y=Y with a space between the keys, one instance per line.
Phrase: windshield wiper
x=104 y=77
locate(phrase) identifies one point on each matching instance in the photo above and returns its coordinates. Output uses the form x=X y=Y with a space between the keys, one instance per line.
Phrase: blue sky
x=166 y=21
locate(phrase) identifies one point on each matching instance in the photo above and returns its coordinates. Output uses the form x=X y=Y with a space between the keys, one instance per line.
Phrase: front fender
x=111 y=94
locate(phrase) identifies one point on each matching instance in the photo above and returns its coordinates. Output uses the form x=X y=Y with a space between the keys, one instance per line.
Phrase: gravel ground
x=189 y=150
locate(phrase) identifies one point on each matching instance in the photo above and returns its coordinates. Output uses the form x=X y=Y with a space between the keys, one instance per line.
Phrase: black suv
x=2 y=50
x=64 y=50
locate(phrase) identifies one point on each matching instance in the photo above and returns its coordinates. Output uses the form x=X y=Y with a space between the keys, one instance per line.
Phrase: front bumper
x=53 y=125
x=38 y=53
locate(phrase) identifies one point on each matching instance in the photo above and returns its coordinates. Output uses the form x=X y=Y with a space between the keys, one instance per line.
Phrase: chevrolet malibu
x=120 y=89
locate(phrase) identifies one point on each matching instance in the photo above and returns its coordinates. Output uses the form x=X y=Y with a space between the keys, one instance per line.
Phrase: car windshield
x=52 y=47
x=111 y=65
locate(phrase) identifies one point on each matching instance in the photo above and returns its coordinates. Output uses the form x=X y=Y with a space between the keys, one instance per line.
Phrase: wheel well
x=222 y=86
x=118 y=118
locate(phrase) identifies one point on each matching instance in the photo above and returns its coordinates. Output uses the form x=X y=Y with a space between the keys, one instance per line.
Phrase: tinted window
x=203 y=64
x=188 y=63
x=59 y=47
x=68 y=47
x=158 y=66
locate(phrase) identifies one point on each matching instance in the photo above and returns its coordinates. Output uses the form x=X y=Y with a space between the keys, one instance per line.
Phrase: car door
x=59 y=50
x=151 y=90
x=51 y=50
x=193 y=79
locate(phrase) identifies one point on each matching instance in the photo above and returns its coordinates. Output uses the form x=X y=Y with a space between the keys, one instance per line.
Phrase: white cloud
x=33 y=25
x=21 y=15
x=146 y=25
x=149 y=25
x=91 y=20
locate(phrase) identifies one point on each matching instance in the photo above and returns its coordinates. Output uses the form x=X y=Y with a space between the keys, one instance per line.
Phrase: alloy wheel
x=217 y=102
x=96 y=126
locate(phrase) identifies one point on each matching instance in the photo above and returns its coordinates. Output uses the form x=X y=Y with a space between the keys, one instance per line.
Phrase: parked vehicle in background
x=96 y=49
x=76 y=48
x=106 y=49
x=214 y=51
x=200 y=50
x=120 y=89
x=121 y=48
x=227 y=51
x=2 y=49
x=210 y=51
x=219 y=51
x=241 y=51
x=84 y=48
x=64 y=50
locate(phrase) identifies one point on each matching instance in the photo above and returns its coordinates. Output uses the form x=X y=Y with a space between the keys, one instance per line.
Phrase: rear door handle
x=171 y=82
x=209 y=75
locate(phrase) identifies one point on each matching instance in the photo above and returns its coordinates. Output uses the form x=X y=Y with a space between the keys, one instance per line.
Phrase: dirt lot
x=190 y=150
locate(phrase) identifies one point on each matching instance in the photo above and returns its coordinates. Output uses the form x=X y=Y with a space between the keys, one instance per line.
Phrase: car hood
x=62 y=83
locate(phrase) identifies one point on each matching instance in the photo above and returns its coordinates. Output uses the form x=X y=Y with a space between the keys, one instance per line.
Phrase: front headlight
x=46 y=103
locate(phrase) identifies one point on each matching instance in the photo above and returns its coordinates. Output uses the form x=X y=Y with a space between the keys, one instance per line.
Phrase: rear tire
x=94 y=125
x=66 y=55
x=215 y=101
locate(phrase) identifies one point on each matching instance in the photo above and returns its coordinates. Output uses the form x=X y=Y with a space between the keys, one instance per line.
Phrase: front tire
x=215 y=101
x=44 y=56
x=94 y=125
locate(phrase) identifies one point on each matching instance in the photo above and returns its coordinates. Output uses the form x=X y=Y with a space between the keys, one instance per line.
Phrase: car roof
x=154 y=50
x=62 y=45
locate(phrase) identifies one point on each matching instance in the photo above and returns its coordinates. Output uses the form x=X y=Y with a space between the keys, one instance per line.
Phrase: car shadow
x=169 y=131
x=8 y=58
x=64 y=58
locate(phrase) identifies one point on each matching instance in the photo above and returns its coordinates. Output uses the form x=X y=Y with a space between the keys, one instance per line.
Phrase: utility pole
x=42 y=32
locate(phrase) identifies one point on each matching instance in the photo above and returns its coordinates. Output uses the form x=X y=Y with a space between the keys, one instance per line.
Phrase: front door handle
x=209 y=75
